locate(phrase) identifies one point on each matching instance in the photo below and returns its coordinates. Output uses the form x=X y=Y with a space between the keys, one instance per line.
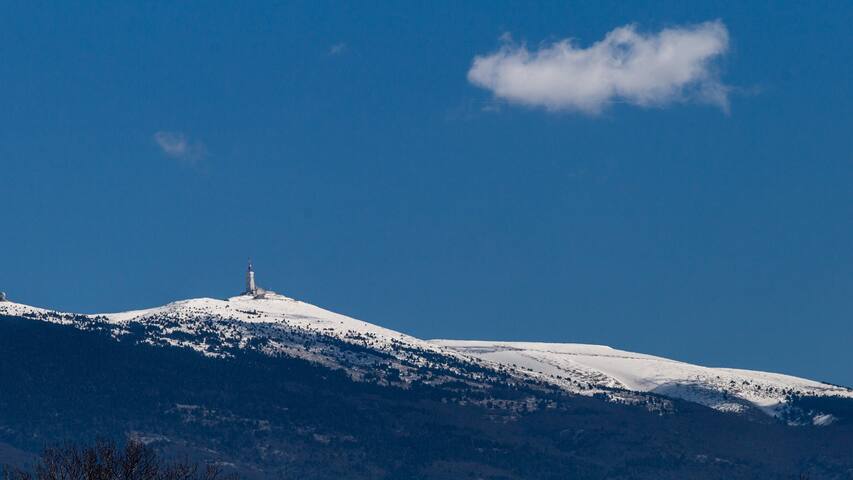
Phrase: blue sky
x=147 y=150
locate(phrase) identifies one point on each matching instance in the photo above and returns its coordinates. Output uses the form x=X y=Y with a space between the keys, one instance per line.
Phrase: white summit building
x=251 y=287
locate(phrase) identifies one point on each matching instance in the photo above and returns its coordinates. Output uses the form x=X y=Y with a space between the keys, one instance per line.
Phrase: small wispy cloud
x=178 y=146
x=338 y=48
x=655 y=69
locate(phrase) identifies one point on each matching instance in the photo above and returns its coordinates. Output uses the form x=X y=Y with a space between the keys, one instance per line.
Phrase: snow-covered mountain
x=276 y=325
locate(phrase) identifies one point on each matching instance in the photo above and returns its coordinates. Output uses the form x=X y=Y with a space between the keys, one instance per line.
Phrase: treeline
x=107 y=461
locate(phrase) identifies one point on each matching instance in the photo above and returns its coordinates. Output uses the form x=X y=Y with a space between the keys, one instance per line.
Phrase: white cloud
x=176 y=145
x=338 y=48
x=673 y=65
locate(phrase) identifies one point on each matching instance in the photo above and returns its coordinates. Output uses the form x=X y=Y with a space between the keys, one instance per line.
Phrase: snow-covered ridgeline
x=277 y=325
x=723 y=389
x=273 y=311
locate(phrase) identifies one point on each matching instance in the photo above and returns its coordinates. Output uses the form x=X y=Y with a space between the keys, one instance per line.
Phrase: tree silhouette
x=106 y=461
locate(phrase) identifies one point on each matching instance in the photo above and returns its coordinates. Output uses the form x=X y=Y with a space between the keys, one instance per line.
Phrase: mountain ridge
x=276 y=388
x=278 y=325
